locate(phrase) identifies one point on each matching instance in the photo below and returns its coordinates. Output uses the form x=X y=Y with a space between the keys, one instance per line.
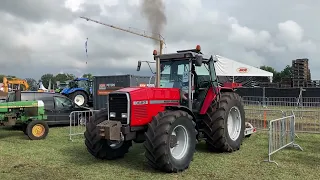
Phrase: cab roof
x=183 y=54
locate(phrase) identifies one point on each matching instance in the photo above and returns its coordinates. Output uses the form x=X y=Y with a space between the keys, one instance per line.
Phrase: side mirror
x=139 y=66
x=198 y=60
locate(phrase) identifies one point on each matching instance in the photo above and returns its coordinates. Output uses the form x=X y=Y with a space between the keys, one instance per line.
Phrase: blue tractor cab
x=79 y=90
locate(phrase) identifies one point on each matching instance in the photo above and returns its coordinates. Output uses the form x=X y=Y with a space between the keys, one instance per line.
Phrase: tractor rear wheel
x=80 y=98
x=170 y=141
x=225 y=123
x=102 y=148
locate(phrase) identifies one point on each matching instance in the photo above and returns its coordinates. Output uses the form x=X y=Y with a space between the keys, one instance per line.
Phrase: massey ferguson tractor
x=186 y=105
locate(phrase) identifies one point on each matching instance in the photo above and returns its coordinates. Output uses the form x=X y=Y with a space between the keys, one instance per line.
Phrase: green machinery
x=30 y=115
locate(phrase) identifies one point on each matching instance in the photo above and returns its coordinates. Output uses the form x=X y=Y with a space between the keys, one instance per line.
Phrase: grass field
x=58 y=158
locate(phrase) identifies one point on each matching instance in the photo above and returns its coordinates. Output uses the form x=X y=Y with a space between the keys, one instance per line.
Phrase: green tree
x=32 y=84
x=276 y=75
x=46 y=78
x=88 y=75
x=61 y=77
x=286 y=72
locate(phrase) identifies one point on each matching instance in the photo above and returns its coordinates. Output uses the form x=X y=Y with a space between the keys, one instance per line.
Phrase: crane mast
x=161 y=42
x=126 y=30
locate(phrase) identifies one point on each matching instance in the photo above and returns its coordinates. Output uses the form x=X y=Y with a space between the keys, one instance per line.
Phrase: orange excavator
x=14 y=82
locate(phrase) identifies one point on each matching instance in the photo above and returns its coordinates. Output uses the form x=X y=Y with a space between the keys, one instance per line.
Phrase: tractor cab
x=84 y=83
x=189 y=71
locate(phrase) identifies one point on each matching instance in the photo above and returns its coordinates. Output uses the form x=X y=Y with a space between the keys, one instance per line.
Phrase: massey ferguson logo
x=242 y=70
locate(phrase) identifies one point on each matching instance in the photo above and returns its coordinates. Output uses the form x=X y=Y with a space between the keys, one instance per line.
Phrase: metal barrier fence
x=78 y=121
x=260 y=110
x=302 y=102
x=281 y=135
x=260 y=118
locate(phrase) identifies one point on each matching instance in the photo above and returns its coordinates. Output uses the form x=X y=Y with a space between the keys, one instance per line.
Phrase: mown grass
x=58 y=158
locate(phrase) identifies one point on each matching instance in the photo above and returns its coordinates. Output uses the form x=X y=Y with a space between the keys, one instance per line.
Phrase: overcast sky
x=47 y=36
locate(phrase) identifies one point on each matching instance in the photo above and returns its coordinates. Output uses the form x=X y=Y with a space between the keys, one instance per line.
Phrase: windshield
x=174 y=74
x=82 y=84
x=78 y=84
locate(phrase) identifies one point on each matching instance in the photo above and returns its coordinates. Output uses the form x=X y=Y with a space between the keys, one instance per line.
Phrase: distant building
x=301 y=76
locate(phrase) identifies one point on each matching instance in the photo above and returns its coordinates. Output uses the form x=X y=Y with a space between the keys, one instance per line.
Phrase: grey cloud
x=112 y=51
x=37 y=11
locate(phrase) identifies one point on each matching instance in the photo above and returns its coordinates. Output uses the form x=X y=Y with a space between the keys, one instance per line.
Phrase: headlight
x=124 y=115
x=112 y=114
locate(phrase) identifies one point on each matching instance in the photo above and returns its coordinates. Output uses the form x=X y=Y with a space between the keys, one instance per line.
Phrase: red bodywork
x=148 y=102
x=141 y=114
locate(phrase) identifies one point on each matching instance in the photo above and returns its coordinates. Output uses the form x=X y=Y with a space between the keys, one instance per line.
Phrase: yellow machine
x=14 y=81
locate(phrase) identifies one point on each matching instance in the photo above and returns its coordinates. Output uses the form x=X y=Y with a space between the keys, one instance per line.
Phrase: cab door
x=63 y=108
x=49 y=109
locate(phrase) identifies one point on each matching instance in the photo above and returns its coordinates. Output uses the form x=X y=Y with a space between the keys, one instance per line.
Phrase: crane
x=129 y=31
x=161 y=41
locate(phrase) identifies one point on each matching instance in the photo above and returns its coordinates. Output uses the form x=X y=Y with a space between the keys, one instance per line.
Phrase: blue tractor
x=80 y=91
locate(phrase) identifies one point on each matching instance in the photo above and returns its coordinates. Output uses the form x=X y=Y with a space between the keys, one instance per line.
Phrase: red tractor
x=186 y=105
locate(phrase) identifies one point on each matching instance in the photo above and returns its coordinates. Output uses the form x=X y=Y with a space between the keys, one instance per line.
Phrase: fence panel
x=307 y=120
x=78 y=121
x=281 y=135
x=260 y=117
x=281 y=102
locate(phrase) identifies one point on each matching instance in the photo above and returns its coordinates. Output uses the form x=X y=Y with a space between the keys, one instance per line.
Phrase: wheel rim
x=234 y=123
x=179 y=142
x=79 y=100
x=38 y=130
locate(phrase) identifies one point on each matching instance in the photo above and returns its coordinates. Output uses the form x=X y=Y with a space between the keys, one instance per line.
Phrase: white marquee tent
x=229 y=67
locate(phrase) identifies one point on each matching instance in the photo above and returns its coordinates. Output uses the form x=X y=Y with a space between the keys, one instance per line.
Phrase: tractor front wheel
x=80 y=98
x=225 y=123
x=37 y=130
x=170 y=141
x=102 y=148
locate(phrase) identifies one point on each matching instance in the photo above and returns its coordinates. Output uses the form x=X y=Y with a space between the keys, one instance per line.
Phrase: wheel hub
x=179 y=142
x=234 y=123
x=38 y=130
x=79 y=99
x=173 y=141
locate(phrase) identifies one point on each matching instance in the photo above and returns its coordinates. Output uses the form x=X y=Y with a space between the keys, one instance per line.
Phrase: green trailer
x=29 y=115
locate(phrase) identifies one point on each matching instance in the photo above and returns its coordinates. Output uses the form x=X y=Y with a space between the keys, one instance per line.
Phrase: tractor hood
x=70 y=90
x=152 y=94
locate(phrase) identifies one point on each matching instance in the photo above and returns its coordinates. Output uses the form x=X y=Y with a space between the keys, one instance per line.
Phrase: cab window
x=62 y=103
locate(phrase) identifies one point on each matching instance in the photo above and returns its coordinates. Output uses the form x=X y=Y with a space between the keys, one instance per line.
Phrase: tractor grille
x=118 y=103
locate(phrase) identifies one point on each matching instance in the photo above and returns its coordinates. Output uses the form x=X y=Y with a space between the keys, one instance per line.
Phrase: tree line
x=33 y=83
x=63 y=77
x=278 y=76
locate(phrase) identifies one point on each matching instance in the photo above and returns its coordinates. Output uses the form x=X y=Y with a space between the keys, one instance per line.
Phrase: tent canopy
x=229 y=67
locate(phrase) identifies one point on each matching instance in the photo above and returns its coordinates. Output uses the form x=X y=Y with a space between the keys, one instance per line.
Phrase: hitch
x=111 y=130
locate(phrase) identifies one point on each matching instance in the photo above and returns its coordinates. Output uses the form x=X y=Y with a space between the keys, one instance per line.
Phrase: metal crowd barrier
x=281 y=135
x=78 y=121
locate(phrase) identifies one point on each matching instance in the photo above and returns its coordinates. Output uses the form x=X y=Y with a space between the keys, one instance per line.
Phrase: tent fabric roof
x=229 y=67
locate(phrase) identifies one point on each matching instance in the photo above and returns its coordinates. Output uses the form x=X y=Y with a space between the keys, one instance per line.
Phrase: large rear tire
x=170 y=141
x=102 y=148
x=225 y=123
